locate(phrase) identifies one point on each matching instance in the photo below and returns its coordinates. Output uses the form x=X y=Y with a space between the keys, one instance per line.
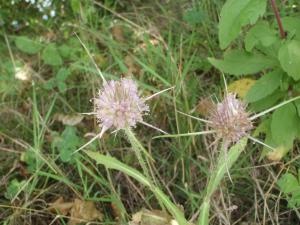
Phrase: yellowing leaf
x=278 y=153
x=241 y=87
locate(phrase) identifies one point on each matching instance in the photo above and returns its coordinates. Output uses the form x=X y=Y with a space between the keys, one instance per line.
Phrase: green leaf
x=239 y=62
x=68 y=143
x=235 y=14
x=62 y=74
x=13 y=188
x=288 y=183
x=65 y=51
x=292 y=26
x=262 y=34
x=51 y=56
x=194 y=16
x=27 y=45
x=62 y=87
x=264 y=86
x=51 y=83
x=284 y=125
x=289 y=57
x=75 y=5
x=266 y=102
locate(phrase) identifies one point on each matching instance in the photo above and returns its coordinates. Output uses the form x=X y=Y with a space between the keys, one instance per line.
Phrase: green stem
x=137 y=148
x=225 y=162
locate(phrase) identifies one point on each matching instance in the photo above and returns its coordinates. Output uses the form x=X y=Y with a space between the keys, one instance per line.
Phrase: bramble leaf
x=235 y=14
x=289 y=57
x=284 y=125
x=261 y=33
x=264 y=86
x=240 y=62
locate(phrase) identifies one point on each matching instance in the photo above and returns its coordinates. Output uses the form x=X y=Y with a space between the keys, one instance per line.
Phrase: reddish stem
x=275 y=9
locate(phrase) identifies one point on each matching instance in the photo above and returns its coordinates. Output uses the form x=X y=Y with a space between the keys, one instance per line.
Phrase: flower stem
x=224 y=163
x=276 y=12
x=138 y=148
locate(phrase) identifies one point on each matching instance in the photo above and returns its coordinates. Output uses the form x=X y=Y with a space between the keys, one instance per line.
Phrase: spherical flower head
x=230 y=119
x=118 y=105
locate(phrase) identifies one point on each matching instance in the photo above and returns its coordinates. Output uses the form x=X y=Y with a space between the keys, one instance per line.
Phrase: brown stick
x=275 y=9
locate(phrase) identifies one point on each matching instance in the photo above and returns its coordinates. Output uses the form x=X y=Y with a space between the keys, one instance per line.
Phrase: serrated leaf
x=289 y=57
x=235 y=14
x=284 y=125
x=239 y=62
x=288 y=183
x=51 y=56
x=27 y=45
x=264 y=86
x=262 y=34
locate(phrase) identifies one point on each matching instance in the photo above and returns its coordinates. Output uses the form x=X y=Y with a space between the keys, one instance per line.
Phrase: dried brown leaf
x=84 y=211
x=60 y=206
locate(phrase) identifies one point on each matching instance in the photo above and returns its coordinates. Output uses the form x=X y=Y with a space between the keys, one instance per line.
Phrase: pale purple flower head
x=230 y=119
x=119 y=105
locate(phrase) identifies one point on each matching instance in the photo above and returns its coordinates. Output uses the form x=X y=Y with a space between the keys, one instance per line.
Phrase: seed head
x=118 y=105
x=230 y=119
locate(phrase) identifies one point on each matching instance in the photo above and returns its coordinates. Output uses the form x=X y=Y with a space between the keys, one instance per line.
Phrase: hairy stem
x=276 y=12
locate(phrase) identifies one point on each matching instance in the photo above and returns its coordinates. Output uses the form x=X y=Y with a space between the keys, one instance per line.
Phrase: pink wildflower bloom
x=230 y=119
x=119 y=105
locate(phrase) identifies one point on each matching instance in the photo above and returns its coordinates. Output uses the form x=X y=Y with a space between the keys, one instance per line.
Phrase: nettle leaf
x=27 y=45
x=289 y=57
x=284 y=125
x=240 y=62
x=262 y=34
x=288 y=183
x=264 y=86
x=235 y=14
x=292 y=26
x=51 y=56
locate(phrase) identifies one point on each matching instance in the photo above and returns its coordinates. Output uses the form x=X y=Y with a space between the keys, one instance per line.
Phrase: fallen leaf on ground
x=84 y=211
x=60 y=206
x=154 y=217
x=79 y=211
